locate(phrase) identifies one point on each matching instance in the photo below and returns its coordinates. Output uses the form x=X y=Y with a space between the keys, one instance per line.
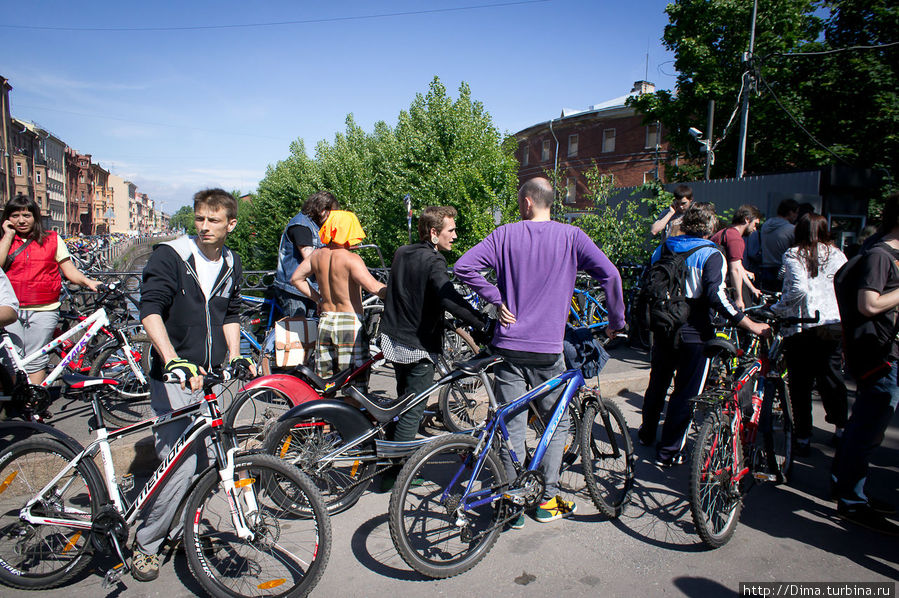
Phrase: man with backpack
x=867 y=290
x=684 y=283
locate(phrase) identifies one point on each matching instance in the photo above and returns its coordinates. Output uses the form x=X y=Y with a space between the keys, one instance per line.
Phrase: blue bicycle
x=587 y=310
x=452 y=498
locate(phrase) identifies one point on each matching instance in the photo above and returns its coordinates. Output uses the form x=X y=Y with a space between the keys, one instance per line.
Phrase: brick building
x=80 y=193
x=610 y=134
x=6 y=164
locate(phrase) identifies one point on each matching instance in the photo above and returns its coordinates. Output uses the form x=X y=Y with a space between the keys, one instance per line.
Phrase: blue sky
x=179 y=110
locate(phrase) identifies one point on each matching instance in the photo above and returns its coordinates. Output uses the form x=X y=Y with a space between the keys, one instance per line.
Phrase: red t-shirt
x=732 y=242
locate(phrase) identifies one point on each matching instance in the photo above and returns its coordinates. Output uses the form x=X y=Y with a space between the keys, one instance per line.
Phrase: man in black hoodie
x=418 y=292
x=190 y=308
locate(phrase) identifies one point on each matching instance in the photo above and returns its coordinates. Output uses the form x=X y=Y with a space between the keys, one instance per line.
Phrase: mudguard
x=20 y=430
x=295 y=389
x=348 y=420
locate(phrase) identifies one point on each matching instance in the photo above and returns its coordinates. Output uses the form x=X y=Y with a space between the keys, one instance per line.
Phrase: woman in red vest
x=33 y=259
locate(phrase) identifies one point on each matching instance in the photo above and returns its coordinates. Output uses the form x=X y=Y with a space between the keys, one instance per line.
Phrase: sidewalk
x=626 y=372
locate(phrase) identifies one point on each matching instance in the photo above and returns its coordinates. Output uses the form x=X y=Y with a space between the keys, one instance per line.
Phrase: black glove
x=484 y=334
x=242 y=367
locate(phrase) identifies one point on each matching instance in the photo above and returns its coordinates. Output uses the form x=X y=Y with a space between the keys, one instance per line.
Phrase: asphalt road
x=786 y=533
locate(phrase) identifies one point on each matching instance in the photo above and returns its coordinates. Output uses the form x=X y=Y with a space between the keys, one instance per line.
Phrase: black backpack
x=662 y=303
x=866 y=341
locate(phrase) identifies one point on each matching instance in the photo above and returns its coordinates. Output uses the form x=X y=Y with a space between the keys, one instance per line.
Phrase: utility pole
x=709 y=128
x=748 y=83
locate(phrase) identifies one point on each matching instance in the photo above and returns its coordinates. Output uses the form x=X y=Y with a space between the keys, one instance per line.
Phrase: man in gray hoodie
x=776 y=237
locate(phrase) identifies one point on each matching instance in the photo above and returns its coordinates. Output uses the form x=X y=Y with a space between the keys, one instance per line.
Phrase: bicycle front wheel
x=429 y=527
x=35 y=556
x=291 y=532
x=607 y=454
x=253 y=414
x=714 y=493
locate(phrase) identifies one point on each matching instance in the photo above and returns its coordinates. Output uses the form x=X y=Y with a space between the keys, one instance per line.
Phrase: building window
x=571 y=190
x=653 y=137
x=649 y=175
x=572 y=146
x=81 y=178
x=608 y=140
x=524 y=154
x=18 y=169
x=544 y=155
x=38 y=176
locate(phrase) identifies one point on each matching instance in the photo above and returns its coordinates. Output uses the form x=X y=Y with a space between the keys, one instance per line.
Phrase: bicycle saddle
x=719 y=346
x=77 y=381
x=478 y=364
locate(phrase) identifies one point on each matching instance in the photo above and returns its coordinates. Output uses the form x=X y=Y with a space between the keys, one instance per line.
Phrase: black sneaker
x=644 y=439
x=670 y=461
x=863 y=514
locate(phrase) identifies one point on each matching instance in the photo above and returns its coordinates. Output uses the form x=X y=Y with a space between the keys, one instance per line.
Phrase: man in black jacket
x=190 y=308
x=418 y=292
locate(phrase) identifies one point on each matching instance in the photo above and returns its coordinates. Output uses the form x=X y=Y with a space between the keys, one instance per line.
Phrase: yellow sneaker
x=555 y=508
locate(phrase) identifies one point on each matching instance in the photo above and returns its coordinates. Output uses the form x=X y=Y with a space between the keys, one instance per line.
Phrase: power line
x=280 y=23
x=799 y=124
x=834 y=51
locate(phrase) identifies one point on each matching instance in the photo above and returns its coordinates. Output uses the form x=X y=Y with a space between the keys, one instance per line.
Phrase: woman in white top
x=812 y=351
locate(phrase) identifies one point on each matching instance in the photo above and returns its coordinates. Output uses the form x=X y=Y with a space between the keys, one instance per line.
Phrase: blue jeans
x=874 y=406
x=512 y=381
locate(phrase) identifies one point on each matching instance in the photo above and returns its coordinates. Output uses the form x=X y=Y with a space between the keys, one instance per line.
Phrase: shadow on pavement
x=373 y=548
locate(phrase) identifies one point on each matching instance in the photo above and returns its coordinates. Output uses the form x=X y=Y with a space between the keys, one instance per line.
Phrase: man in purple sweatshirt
x=536 y=262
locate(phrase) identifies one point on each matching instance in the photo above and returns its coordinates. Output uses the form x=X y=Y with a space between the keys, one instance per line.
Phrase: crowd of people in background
x=793 y=257
x=535 y=261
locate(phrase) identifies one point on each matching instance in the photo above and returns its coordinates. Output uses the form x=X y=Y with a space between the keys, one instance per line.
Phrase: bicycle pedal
x=764 y=477
x=127 y=482
x=113 y=576
x=515 y=499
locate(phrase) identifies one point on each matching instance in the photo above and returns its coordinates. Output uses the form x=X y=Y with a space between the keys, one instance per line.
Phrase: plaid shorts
x=341 y=343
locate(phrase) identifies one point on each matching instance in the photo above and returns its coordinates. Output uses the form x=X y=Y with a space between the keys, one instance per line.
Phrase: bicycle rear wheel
x=291 y=539
x=429 y=529
x=777 y=431
x=463 y=404
x=607 y=454
x=129 y=401
x=715 y=501
x=38 y=557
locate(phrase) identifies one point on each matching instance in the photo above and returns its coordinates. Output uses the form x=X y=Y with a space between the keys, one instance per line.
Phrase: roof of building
x=608 y=106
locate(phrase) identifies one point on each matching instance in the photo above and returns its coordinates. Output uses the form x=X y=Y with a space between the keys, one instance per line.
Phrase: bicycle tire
x=26 y=467
x=596 y=310
x=292 y=538
x=253 y=413
x=303 y=442
x=129 y=401
x=715 y=501
x=462 y=404
x=607 y=454
x=435 y=465
x=777 y=433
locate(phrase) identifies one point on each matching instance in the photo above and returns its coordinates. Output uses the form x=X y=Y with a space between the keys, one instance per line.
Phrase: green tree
x=621 y=230
x=847 y=100
x=184 y=219
x=441 y=152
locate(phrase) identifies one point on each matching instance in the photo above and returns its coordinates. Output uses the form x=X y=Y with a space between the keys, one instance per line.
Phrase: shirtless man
x=341 y=276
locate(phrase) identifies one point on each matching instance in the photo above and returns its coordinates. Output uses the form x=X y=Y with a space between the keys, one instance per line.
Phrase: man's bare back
x=341 y=276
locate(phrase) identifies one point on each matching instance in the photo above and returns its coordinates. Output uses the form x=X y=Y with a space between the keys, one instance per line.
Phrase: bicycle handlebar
x=216 y=375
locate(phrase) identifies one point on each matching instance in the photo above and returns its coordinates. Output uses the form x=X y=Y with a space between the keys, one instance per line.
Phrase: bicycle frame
x=579 y=315
x=91 y=325
x=209 y=420
x=573 y=381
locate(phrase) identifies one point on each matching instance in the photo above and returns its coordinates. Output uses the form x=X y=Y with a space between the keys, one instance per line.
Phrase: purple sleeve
x=592 y=260
x=468 y=269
